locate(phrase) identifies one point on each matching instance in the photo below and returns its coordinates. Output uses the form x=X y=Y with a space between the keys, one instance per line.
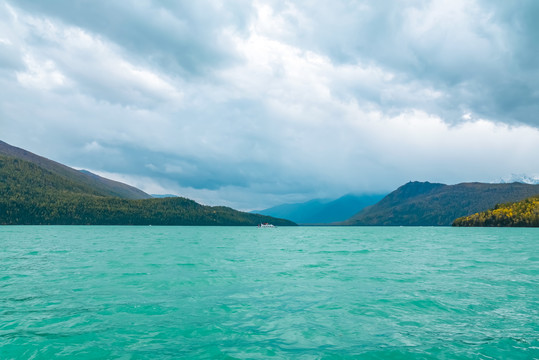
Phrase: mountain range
x=322 y=211
x=433 y=204
x=36 y=190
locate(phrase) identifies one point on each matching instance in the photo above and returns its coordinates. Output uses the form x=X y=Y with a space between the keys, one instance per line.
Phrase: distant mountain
x=42 y=191
x=95 y=184
x=524 y=213
x=321 y=211
x=426 y=204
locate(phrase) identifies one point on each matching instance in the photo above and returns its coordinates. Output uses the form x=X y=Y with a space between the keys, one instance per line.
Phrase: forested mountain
x=322 y=211
x=97 y=184
x=32 y=194
x=424 y=203
x=524 y=213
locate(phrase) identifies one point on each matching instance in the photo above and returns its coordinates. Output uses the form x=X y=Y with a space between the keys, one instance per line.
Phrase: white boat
x=266 y=225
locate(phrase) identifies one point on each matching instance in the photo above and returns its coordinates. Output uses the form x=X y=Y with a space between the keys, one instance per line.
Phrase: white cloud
x=41 y=75
x=63 y=55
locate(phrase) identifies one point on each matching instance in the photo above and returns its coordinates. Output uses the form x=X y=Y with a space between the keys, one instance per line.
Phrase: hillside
x=524 y=213
x=426 y=204
x=97 y=184
x=31 y=194
x=322 y=211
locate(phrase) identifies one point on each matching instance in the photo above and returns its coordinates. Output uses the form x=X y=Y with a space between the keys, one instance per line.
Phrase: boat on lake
x=266 y=225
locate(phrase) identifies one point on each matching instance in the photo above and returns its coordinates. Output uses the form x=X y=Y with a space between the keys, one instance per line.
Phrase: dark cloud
x=487 y=49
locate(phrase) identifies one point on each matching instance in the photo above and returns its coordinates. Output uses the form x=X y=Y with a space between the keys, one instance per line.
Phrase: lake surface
x=94 y=292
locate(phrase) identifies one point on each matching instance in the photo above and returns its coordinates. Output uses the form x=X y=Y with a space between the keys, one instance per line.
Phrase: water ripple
x=302 y=293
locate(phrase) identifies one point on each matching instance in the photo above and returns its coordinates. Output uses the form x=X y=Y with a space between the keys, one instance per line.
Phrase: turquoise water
x=248 y=293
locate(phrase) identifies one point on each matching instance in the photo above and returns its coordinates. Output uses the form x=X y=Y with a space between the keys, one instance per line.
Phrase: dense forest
x=84 y=180
x=523 y=213
x=31 y=194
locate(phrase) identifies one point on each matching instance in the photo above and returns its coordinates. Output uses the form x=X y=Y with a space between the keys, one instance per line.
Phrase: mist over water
x=93 y=292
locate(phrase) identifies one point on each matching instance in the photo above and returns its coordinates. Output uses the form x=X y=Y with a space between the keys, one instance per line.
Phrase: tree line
x=523 y=213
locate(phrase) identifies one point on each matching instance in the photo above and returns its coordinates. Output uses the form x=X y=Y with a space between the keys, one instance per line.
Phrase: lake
x=99 y=292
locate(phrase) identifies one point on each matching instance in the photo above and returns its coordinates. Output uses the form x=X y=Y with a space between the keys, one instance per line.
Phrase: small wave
x=135 y=274
x=343 y=252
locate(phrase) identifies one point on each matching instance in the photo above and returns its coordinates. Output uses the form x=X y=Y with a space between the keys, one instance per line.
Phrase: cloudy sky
x=255 y=103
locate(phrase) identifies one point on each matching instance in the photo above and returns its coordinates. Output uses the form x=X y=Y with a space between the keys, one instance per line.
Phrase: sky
x=252 y=104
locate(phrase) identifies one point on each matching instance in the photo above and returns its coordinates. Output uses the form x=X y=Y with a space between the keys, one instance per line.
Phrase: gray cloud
x=250 y=104
x=486 y=49
x=181 y=37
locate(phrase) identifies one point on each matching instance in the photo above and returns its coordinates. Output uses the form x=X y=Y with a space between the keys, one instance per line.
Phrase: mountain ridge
x=103 y=185
x=322 y=211
x=433 y=204
x=31 y=194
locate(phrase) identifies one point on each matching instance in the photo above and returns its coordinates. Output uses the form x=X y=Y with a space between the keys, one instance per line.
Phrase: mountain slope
x=424 y=203
x=31 y=194
x=524 y=213
x=319 y=211
x=98 y=184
